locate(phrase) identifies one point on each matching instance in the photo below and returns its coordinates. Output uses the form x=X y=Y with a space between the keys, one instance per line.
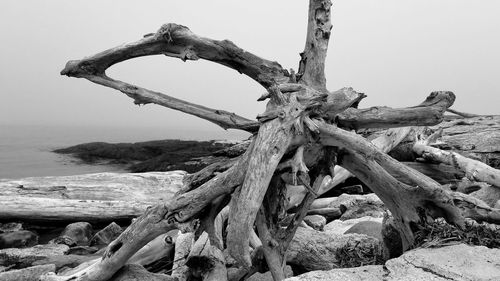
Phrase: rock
x=10 y=227
x=489 y=194
x=391 y=238
x=497 y=205
x=27 y=274
x=362 y=273
x=315 y=221
x=18 y=239
x=134 y=272
x=313 y=250
x=75 y=234
x=359 y=209
x=106 y=235
x=339 y=227
x=370 y=228
x=161 y=155
x=267 y=275
x=26 y=256
x=457 y=262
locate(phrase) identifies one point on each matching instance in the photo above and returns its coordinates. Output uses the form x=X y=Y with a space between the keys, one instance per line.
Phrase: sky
x=395 y=51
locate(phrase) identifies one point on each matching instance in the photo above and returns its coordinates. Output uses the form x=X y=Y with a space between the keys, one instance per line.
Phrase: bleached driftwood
x=303 y=124
x=102 y=197
x=474 y=170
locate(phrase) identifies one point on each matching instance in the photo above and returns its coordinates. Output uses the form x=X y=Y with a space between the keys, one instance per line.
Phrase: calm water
x=25 y=151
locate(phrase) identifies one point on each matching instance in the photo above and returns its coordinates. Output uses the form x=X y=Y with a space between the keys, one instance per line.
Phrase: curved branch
x=428 y=113
x=226 y=120
x=178 y=41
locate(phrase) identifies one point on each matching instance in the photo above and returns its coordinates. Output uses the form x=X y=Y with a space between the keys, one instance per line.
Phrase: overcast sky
x=395 y=51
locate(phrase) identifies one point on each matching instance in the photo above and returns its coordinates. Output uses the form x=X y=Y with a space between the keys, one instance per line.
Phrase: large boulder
x=457 y=262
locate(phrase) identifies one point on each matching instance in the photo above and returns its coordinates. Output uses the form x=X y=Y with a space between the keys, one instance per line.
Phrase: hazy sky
x=395 y=51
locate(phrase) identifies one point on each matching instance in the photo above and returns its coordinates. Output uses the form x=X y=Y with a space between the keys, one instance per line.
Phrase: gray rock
x=489 y=194
x=18 y=239
x=135 y=272
x=317 y=250
x=10 y=227
x=75 y=234
x=362 y=273
x=339 y=227
x=27 y=274
x=497 y=205
x=315 y=221
x=267 y=275
x=457 y=262
x=106 y=235
x=25 y=257
x=370 y=228
x=364 y=209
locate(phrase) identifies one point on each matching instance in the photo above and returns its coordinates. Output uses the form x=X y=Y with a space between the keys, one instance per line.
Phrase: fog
x=395 y=51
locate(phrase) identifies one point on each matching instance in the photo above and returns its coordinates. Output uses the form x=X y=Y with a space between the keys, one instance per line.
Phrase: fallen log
x=102 y=197
x=140 y=187
x=474 y=170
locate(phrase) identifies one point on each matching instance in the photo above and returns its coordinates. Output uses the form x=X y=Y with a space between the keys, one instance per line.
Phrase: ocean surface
x=25 y=151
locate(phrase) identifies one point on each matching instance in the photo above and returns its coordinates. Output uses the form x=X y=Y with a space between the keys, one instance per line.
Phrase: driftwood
x=474 y=170
x=101 y=197
x=304 y=131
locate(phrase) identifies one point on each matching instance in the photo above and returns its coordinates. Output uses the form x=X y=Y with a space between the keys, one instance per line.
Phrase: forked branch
x=178 y=41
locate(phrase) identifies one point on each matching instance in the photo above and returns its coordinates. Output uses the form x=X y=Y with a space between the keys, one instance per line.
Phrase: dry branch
x=428 y=113
x=178 y=41
x=312 y=62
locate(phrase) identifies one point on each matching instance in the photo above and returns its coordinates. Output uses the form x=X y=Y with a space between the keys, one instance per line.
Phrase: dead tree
x=304 y=132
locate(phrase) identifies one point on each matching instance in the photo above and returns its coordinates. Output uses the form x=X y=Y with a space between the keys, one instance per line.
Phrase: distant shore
x=149 y=156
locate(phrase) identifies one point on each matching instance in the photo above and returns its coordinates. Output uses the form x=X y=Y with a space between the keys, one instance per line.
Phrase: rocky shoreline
x=150 y=156
x=63 y=224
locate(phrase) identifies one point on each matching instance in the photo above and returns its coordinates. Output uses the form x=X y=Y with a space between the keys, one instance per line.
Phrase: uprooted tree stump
x=304 y=135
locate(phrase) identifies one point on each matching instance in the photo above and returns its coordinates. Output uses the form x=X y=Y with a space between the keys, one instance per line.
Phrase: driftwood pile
x=343 y=227
x=245 y=212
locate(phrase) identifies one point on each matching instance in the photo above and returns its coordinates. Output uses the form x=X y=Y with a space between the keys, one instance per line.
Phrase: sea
x=26 y=150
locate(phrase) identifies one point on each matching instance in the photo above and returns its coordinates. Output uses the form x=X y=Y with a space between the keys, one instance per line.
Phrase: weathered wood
x=206 y=261
x=473 y=169
x=102 y=197
x=406 y=202
x=430 y=112
x=476 y=138
x=312 y=60
x=68 y=210
x=183 y=246
x=385 y=142
x=284 y=128
x=135 y=187
x=178 y=41
x=270 y=145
